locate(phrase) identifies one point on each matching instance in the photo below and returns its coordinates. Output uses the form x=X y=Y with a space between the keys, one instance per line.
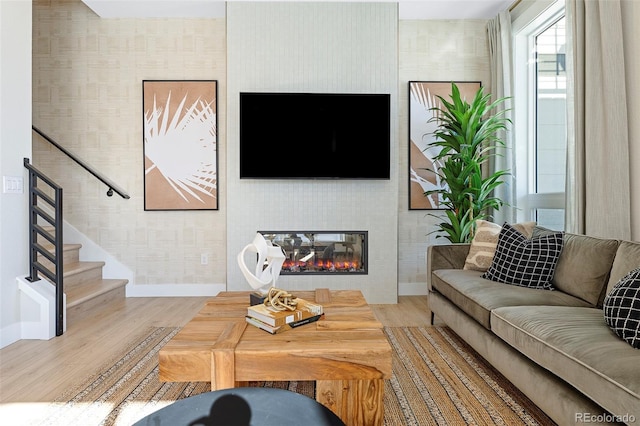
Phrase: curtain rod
x=513 y=6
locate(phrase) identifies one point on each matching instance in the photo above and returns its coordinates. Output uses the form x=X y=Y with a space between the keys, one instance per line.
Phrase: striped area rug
x=437 y=380
x=440 y=380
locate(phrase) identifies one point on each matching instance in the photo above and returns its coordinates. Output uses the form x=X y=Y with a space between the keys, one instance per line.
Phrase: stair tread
x=91 y=289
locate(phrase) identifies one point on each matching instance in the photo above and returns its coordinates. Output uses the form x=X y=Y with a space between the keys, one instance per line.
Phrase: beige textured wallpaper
x=87 y=95
x=430 y=51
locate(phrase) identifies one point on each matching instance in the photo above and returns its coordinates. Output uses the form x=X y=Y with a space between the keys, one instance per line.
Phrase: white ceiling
x=407 y=9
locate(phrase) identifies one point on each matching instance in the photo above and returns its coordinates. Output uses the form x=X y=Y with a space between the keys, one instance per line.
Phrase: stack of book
x=274 y=321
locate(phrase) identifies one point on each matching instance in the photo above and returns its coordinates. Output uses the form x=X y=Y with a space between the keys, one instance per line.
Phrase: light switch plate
x=13 y=184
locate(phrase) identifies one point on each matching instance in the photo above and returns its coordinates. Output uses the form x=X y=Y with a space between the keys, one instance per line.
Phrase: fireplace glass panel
x=321 y=252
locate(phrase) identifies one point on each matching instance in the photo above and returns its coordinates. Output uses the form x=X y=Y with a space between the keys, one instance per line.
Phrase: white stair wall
x=113 y=268
x=38 y=309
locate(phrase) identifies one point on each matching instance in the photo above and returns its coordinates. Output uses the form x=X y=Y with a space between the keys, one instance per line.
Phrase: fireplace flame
x=321 y=265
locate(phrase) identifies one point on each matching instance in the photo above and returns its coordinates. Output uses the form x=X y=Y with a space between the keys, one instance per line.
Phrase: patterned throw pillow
x=525 y=262
x=485 y=240
x=622 y=308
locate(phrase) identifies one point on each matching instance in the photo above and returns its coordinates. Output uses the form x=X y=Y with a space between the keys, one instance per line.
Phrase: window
x=540 y=94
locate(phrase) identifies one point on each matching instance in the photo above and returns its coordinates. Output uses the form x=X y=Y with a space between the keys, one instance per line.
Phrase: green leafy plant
x=467 y=136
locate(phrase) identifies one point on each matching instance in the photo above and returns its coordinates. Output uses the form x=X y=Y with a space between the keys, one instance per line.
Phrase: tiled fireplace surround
x=314 y=47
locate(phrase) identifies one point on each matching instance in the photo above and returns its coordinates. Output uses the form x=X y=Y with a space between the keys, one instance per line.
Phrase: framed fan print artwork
x=180 y=127
x=423 y=167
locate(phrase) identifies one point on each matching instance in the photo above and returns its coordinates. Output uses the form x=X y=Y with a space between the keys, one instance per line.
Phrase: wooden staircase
x=86 y=289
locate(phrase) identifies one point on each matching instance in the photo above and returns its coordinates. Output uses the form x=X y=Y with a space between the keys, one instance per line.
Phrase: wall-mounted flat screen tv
x=314 y=136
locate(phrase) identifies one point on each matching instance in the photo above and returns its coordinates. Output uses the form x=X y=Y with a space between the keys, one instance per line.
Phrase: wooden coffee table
x=346 y=353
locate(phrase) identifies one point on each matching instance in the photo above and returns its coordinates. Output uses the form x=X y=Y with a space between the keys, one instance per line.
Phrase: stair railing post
x=60 y=311
x=33 y=218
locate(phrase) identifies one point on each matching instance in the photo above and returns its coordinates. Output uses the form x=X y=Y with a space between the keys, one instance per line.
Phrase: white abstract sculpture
x=265 y=275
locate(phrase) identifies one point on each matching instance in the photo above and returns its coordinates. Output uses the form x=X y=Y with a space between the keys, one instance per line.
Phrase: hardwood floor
x=38 y=371
x=410 y=311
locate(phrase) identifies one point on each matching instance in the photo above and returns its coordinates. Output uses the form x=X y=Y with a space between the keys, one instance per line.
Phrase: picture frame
x=423 y=176
x=180 y=144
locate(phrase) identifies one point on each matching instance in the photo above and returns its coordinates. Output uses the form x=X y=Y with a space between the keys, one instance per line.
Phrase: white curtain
x=501 y=85
x=598 y=172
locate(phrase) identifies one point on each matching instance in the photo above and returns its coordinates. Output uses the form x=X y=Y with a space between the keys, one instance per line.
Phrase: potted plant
x=467 y=136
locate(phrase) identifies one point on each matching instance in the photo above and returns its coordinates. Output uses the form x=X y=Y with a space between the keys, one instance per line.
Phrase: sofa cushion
x=583 y=266
x=627 y=258
x=622 y=308
x=485 y=240
x=477 y=296
x=525 y=262
x=575 y=344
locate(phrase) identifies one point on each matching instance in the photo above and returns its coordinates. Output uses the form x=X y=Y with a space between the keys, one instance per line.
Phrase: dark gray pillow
x=584 y=265
x=525 y=262
x=622 y=308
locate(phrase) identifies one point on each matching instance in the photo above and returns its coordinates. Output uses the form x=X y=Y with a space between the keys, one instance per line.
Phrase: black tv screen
x=314 y=136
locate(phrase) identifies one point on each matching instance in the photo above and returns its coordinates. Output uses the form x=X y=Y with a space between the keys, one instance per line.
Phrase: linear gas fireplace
x=321 y=252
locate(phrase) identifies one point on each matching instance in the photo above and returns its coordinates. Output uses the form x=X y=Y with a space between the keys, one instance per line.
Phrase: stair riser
x=79 y=278
x=69 y=256
x=91 y=308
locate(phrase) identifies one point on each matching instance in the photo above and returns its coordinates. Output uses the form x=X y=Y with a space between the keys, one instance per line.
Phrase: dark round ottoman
x=244 y=407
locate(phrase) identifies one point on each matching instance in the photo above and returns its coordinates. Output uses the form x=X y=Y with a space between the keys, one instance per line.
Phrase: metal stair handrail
x=110 y=184
x=36 y=197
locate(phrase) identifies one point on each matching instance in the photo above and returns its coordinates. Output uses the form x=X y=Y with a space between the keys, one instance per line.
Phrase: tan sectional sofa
x=553 y=345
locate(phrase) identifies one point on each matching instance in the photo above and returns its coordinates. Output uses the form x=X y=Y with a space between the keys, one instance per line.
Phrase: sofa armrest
x=447 y=256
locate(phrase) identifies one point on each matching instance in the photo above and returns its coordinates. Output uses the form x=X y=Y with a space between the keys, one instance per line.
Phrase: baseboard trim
x=412 y=289
x=174 y=290
x=10 y=334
